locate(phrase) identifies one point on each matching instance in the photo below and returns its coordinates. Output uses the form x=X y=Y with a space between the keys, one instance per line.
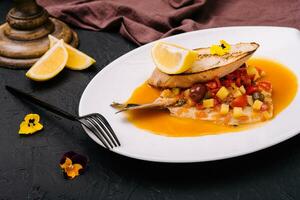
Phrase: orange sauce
x=284 y=84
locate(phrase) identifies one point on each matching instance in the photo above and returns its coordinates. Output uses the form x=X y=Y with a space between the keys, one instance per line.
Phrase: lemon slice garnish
x=50 y=64
x=77 y=60
x=172 y=59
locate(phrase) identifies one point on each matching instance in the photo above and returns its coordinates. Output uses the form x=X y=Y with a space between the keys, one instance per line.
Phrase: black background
x=29 y=165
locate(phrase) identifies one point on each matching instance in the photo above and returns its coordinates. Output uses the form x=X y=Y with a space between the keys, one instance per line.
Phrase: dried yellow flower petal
x=225 y=46
x=221 y=49
x=30 y=124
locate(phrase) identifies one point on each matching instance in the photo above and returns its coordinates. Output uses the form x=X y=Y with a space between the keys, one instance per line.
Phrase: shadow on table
x=250 y=168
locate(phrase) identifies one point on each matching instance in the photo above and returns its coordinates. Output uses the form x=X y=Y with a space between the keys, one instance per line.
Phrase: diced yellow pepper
x=257 y=76
x=266 y=94
x=251 y=70
x=233 y=85
x=250 y=100
x=222 y=93
x=187 y=93
x=224 y=109
x=190 y=103
x=237 y=93
x=166 y=93
x=267 y=115
x=257 y=105
x=238 y=112
x=242 y=89
x=175 y=91
x=208 y=103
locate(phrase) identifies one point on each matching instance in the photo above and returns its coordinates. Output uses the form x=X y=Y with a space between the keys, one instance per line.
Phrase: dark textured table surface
x=29 y=165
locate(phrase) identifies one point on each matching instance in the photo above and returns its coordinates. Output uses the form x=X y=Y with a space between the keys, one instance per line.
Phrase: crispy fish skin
x=207 y=61
x=163 y=80
x=221 y=66
x=158 y=103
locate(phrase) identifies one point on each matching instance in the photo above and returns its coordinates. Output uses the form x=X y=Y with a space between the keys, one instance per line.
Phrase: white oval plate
x=117 y=81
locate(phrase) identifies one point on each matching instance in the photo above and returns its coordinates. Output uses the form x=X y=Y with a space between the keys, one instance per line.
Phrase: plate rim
x=293 y=132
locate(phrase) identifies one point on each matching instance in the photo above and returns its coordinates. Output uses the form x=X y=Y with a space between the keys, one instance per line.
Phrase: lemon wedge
x=77 y=60
x=171 y=58
x=50 y=64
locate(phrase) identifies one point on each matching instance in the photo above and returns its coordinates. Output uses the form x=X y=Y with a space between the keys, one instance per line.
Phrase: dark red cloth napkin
x=143 y=21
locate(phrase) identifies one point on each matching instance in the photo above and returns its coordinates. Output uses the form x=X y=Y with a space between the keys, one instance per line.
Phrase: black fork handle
x=40 y=103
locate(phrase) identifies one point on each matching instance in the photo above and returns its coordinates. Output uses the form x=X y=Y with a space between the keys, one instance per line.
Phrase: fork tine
x=91 y=128
x=103 y=126
x=99 y=129
x=109 y=127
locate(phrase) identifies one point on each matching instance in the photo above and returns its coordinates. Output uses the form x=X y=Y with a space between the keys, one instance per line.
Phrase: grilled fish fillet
x=206 y=68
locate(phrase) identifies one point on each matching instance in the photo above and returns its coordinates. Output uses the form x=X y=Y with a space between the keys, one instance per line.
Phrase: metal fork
x=94 y=122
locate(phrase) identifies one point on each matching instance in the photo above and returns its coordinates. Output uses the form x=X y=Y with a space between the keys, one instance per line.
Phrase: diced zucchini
x=242 y=89
x=224 y=109
x=250 y=100
x=238 y=112
x=237 y=93
x=208 y=103
x=257 y=105
x=222 y=93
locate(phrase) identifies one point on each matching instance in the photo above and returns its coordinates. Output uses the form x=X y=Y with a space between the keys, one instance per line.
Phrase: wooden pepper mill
x=24 y=38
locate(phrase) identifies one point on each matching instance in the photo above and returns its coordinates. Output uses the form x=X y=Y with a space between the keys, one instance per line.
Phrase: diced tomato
x=217 y=107
x=240 y=101
x=226 y=83
x=211 y=85
x=264 y=85
x=181 y=95
x=214 y=91
x=252 y=76
x=239 y=77
x=259 y=70
x=244 y=70
x=217 y=101
x=238 y=82
x=251 y=89
x=264 y=107
x=213 y=94
x=217 y=80
x=199 y=106
x=246 y=81
x=230 y=76
x=241 y=72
